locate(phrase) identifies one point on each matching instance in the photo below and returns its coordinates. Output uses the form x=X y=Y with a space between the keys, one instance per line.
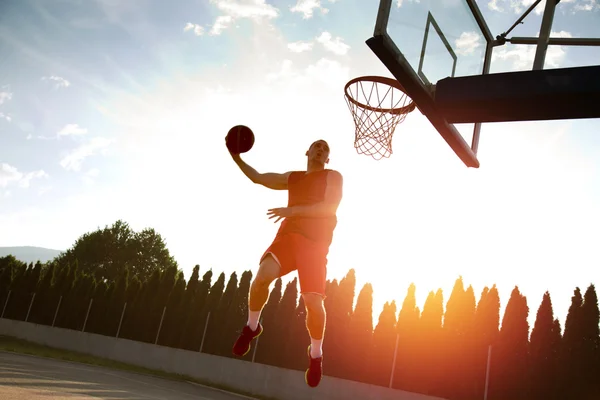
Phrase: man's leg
x=315 y=322
x=268 y=271
x=312 y=274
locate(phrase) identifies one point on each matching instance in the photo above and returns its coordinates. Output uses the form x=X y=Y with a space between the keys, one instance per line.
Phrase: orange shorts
x=292 y=252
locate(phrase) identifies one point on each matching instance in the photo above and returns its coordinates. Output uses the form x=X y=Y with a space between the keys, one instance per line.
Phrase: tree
x=360 y=334
x=384 y=344
x=590 y=362
x=544 y=352
x=406 y=376
x=510 y=362
x=571 y=350
x=339 y=302
x=105 y=252
x=265 y=354
x=487 y=325
x=431 y=345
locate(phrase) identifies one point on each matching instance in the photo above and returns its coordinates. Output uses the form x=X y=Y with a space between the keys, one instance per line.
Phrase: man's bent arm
x=270 y=180
x=329 y=206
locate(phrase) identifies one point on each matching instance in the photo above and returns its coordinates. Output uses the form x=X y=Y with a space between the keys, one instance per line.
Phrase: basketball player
x=302 y=243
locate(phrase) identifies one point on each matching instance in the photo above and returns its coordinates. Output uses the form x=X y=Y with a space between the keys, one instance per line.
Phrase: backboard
x=440 y=52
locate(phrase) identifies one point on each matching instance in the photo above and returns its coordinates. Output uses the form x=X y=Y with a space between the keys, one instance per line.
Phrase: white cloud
x=467 y=42
x=71 y=130
x=400 y=2
x=74 y=159
x=233 y=10
x=221 y=23
x=300 y=46
x=5 y=96
x=10 y=174
x=336 y=46
x=521 y=56
x=307 y=7
x=58 y=81
x=587 y=5
x=519 y=6
x=197 y=29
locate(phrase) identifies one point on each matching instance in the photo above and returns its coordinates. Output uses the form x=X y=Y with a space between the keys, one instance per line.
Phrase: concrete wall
x=250 y=377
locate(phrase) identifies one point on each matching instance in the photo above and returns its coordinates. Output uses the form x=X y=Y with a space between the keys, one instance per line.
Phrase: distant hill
x=30 y=254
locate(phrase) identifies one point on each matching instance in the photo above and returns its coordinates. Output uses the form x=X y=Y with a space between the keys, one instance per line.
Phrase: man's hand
x=279 y=213
x=236 y=157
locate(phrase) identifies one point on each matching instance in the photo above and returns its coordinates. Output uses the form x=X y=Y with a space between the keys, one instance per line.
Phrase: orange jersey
x=308 y=189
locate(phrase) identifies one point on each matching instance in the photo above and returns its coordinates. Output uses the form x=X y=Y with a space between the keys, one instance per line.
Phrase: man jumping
x=302 y=243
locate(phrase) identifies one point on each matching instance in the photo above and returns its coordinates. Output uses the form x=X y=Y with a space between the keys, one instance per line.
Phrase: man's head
x=318 y=152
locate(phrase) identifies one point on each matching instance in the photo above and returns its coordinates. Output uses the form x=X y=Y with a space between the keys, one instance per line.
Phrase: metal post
x=5 y=304
x=204 y=334
x=121 y=321
x=30 y=305
x=485 y=70
x=87 y=315
x=394 y=362
x=487 y=372
x=545 y=29
x=256 y=344
x=56 y=312
x=160 y=326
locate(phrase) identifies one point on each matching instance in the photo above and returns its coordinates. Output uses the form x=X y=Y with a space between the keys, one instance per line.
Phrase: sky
x=118 y=110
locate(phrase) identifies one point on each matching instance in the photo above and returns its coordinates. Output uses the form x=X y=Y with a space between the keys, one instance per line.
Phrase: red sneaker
x=314 y=373
x=242 y=344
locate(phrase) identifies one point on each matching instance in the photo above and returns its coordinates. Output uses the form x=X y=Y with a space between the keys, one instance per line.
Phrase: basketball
x=240 y=139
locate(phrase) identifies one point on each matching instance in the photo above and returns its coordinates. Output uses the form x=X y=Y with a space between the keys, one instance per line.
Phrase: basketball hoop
x=376 y=118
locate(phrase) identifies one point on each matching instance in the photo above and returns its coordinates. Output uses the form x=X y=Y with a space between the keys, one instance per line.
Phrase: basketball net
x=378 y=105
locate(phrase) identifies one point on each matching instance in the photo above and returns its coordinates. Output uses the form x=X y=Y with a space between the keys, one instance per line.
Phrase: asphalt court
x=25 y=377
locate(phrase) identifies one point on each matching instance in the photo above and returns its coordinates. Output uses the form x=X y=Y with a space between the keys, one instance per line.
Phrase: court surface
x=31 y=378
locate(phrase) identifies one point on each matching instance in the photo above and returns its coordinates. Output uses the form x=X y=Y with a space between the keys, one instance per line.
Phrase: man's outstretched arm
x=270 y=180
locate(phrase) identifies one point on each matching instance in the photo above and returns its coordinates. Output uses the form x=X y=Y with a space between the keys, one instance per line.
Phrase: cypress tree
x=431 y=345
x=572 y=350
x=510 y=362
x=339 y=302
x=406 y=376
x=590 y=366
x=266 y=354
x=384 y=344
x=360 y=335
x=214 y=334
x=544 y=353
x=285 y=319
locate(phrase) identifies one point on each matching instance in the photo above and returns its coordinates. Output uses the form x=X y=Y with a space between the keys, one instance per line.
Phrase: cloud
x=58 y=81
x=10 y=174
x=71 y=130
x=300 y=46
x=222 y=22
x=197 y=29
x=5 y=96
x=74 y=159
x=521 y=56
x=336 y=46
x=519 y=6
x=308 y=7
x=468 y=42
x=233 y=10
